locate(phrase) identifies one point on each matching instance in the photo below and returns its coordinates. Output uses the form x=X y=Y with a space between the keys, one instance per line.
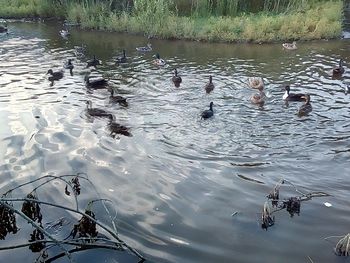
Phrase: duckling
x=54 y=75
x=148 y=48
x=95 y=112
x=306 y=108
x=122 y=59
x=93 y=62
x=118 y=99
x=208 y=113
x=64 y=33
x=290 y=46
x=292 y=96
x=116 y=128
x=159 y=61
x=209 y=87
x=176 y=79
x=3 y=29
x=338 y=70
x=256 y=83
x=96 y=83
x=69 y=65
x=258 y=98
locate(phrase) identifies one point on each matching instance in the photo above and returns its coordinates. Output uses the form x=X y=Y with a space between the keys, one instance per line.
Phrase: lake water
x=177 y=181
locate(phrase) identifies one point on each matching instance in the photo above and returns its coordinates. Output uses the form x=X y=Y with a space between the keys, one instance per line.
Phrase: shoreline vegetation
x=202 y=20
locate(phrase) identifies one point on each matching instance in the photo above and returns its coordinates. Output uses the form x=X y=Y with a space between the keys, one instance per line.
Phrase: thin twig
x=3 y=200
x=310 y=259
x=73 y=242
x=35 y=225
x=43 y=177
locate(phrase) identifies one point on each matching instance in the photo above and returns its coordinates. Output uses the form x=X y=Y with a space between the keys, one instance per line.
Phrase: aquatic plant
x=84 y=234
x=291 y=204
x=342 y=248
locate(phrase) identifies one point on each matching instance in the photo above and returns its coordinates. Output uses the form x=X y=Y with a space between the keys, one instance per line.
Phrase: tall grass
x=213 y=20
x=30 y=8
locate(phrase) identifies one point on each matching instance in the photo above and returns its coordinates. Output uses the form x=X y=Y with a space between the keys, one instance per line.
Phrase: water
x=178 y=179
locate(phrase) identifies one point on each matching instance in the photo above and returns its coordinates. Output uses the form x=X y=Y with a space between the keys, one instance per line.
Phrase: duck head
x=287 y=88
x=157 y=56
x=341 y=63
x=175 y=72
x=111 y=117
x=49 y=72
x=210 y=79
x=307 y=98
x=211 y=105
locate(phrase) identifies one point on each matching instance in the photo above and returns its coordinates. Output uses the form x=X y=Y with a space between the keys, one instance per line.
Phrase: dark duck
x=116 y=128
x=57 y=75
x=306 y=108
x=93 y=62
x=95 y=112
x=337 y=71
x=122 y=58
x=117 y=99
x=176 y=79
x=69 y=65
x=96 y=83
x=209 y=87
x=208 y=113
x=287 y=96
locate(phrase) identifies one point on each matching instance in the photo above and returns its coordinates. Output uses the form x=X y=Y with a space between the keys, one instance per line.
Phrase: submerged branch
x=39 y=228
x=113 y=234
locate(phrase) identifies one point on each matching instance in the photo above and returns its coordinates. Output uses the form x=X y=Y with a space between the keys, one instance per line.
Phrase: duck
x=256 y=83
x=69 y=65
x=64 y=33
x=93 y=62
x=54 y=75
x=122 y=59
x=3 y=29
x=208 y=113
x=95 y=112
x=209 y=87
x=159 y=61
x=118 y=99
x=338 y=70
x=116 y=128
x=148 y=48
x=290 y=46
x=96 y=83
x=306 y=108
x=176 y=79
x=258 y=98
x=292 y=96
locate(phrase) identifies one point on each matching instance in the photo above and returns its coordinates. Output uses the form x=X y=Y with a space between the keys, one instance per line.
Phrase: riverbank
x=320 y=20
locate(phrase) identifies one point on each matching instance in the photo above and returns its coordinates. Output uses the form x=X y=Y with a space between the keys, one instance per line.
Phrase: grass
x=207 y=20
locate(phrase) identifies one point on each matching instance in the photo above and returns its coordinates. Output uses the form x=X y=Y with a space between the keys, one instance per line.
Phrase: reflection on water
x=178 y=179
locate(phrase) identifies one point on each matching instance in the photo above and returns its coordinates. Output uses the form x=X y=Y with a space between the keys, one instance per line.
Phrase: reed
x=210 y=20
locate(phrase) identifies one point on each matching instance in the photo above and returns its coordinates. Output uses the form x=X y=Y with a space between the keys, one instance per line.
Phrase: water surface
x=178 y=179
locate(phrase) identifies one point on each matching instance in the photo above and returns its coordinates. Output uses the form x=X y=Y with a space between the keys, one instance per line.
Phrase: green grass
x=29 y=8
x=207 y=20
